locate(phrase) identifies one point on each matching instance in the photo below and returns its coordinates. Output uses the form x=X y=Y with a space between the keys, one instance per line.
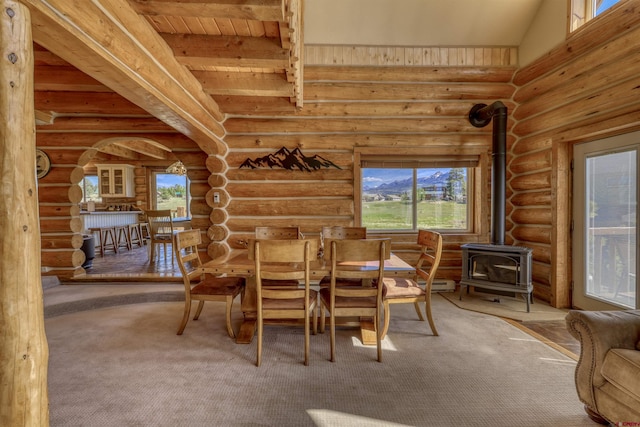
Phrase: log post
x=24 y=351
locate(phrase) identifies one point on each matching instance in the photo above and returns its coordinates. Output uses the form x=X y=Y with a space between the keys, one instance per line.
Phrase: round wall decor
x=43 y=163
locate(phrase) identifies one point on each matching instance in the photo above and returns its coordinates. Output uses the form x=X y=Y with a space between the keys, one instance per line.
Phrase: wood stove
x=496 y=266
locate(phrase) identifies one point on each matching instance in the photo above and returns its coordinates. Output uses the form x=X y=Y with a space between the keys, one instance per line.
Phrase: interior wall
x=582 y=90
x=393 y=109
x=547 y=30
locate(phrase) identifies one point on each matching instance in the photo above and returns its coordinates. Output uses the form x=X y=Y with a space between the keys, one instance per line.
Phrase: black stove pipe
x=479 y=116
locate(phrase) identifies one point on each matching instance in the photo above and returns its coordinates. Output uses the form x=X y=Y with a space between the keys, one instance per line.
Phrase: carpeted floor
x=124 y=365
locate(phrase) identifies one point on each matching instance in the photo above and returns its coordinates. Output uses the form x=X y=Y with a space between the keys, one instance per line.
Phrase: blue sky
x=169 y=180
x=375 y=177
x=606 y=4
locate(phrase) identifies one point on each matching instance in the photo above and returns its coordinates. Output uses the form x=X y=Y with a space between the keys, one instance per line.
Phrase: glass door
x=605 y=216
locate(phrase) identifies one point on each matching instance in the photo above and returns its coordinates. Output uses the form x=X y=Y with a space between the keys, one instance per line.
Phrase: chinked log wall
x=392 y=100
x=585 y=89
x=71 y=146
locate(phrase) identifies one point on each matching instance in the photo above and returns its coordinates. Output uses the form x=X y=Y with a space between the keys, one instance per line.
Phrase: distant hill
x=292 y=160
x=438 y=179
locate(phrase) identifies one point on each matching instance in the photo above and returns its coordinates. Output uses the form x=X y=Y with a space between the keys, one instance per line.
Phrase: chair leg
x=260 y=330
x=322 y=318
x=306 y=337
x=228 y=316
x=418 y=310
x=427 y=307
x=315 y=319
x=332 y=327
x=185 y=317
x=376 y=321
x=199 y=310
x=387 y=317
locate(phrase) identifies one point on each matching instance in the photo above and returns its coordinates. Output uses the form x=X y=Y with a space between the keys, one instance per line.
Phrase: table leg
x=249 y=307
x=368 y=331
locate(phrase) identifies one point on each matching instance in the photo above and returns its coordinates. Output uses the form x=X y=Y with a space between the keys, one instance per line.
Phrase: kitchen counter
x=98 y=219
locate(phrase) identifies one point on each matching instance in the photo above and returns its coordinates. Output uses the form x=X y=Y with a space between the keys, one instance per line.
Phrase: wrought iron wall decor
x=292 y=160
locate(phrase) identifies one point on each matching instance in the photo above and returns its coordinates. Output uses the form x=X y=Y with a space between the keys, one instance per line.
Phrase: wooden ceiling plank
x=210 y=27
x=107 y=40
x=144 y=148
x=119 y=151
x=258 y=10
x=245 y=84
x=227 y=51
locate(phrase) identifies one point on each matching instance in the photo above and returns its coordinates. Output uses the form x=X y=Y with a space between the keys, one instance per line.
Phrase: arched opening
x=139 y=165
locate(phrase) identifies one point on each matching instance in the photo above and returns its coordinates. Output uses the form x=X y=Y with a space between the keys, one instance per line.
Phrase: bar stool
x=106 y=239
x=145 y=232
x=122 y=236
x=135 y=235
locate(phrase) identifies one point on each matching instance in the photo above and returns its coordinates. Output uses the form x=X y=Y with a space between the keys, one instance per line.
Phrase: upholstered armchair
x=608 y=373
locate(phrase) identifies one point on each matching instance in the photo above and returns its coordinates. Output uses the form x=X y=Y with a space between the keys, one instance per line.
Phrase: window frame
x=584 y=11
x=153 y=193
x=479 y=191
x=84 y=188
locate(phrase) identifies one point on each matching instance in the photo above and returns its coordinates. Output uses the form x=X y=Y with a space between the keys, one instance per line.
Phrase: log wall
x=355 y=105
x=585 y=89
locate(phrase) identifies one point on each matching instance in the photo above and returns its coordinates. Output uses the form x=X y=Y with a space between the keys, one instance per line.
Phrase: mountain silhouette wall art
x=292 y=160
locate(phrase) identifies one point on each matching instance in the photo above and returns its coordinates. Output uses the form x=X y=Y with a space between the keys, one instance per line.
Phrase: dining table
x=241 y=263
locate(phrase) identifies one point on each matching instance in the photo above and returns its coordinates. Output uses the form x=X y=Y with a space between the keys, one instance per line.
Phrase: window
x=89 y=185
x=171 y=191
x=583 y=11
x=408 y=194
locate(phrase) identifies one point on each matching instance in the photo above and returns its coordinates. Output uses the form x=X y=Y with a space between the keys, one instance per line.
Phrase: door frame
x=581 y=151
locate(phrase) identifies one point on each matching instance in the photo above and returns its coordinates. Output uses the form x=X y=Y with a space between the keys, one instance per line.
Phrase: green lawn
x=394 y=215
x=171 y=203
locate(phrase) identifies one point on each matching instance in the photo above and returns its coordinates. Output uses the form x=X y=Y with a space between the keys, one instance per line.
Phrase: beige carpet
x=125 y=366
x=503 y=306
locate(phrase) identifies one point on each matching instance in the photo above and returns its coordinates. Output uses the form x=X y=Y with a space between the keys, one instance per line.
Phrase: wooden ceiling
x=187 y=63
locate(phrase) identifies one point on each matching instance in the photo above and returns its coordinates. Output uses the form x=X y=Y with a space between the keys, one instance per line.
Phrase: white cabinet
x=116 y=180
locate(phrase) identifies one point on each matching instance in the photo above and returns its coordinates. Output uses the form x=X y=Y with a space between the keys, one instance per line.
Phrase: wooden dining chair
x=279 y=233
x=347 y=301
x=199 y=285
x=283 y=260
x=161 y=231
x=338 y=232
x=400 y=290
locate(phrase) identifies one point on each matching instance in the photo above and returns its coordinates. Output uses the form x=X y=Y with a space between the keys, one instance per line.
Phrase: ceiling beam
x=44 y=117
x=257 y=10
x=244 y=84
x=109 y=41
x=197 y=50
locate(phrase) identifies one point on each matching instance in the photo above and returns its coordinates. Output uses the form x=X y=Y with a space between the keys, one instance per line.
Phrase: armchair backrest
x=160 y=222
x=186 y=252
x=346 y=252
x=430 y=254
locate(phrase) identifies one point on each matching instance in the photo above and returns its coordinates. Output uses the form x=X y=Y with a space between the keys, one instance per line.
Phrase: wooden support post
x=24 y=351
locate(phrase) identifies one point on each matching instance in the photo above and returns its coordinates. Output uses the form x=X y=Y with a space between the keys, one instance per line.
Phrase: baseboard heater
x=443 y=286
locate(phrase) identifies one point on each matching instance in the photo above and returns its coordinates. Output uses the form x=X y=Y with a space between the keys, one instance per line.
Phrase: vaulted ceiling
x=189 y=63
